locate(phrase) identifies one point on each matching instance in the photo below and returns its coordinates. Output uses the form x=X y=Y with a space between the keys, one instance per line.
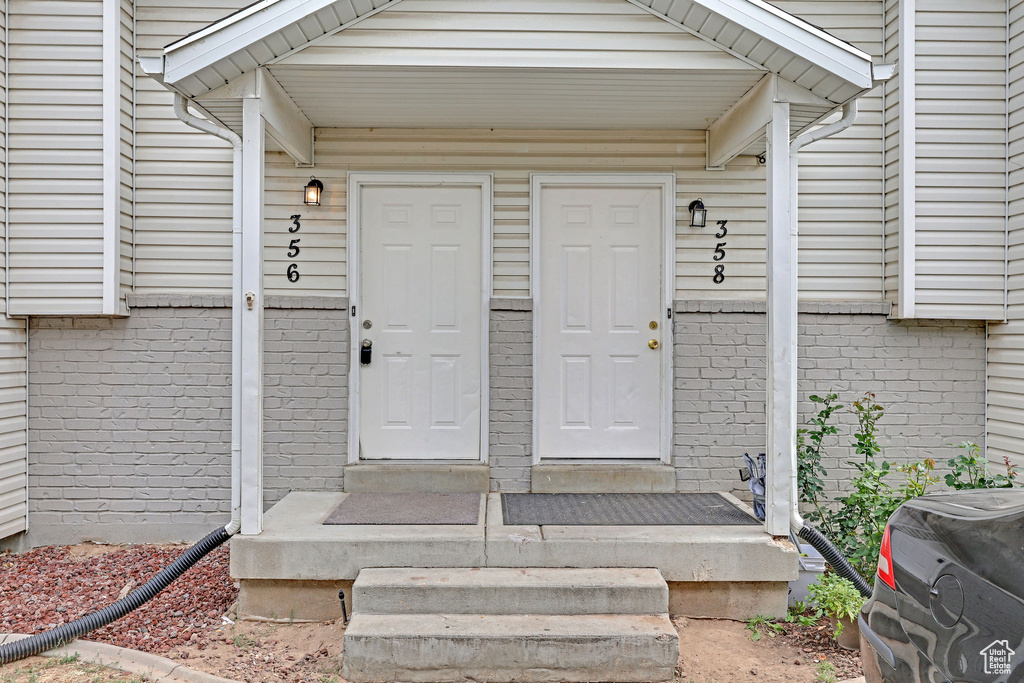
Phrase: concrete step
x=538 y=590
x=499 y=648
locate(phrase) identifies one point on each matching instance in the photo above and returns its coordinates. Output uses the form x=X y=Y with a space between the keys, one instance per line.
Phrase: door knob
x=653 y=343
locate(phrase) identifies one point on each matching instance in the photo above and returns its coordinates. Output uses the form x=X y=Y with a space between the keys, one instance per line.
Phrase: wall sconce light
x=698 y=214
x=313 y=189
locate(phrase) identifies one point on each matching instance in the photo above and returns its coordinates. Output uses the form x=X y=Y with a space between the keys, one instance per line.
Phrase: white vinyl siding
x=1005 y=394
x=183 y=177
x=891 y=159
x=525 y=33
x=736 y=195
x=13 y=417
x=13 y=372
x=127 y=128
x=3 y=159
x=55 y=162
x=961 y=152
x=840 y=203
x=183 y=183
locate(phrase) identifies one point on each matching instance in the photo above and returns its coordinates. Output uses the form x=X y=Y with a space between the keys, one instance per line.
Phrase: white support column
x=247 y=297
x=782 y=324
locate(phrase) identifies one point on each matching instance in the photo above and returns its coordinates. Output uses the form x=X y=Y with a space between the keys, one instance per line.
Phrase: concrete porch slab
x=296 y=545
x=734 y=571
x=680 y=553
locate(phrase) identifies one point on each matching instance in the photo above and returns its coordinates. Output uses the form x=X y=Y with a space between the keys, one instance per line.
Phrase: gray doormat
x=407 y=508
x=621 y=509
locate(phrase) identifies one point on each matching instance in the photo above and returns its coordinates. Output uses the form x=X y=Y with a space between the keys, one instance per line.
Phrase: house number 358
x=719 y=276
x=292 y=273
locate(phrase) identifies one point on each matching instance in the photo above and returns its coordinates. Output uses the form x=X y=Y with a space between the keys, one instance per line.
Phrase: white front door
x=421 y=287
x=602 y=321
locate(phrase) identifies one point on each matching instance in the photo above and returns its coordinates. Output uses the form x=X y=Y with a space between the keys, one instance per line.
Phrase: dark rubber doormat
x=621 y=509
x=407 y=508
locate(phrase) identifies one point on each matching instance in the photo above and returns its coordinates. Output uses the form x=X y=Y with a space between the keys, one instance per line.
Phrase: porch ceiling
x=512 y=98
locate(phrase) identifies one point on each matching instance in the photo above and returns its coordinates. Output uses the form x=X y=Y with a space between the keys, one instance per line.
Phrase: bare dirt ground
x=65 y=670
x=187 y=623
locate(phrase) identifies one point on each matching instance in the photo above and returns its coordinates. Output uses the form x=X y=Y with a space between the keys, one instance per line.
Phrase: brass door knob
x=653 y=343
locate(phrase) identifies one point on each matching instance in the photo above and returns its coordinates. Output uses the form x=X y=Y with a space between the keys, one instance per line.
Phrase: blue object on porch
x=757 y=469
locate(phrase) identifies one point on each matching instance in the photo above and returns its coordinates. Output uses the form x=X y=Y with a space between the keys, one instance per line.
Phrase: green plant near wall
x=857 y=523
x=970 y=470
x=810 y=444
x=836 y=597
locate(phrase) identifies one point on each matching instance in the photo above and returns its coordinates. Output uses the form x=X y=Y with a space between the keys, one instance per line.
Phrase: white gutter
x=181 y=111
x=796 y=522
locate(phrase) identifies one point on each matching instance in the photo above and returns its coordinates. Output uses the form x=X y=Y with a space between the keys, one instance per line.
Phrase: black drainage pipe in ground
x=834 y=558
x=65 y=633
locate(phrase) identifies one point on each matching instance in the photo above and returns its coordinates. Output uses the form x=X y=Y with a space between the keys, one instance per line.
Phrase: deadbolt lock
x=653 y=343
x=654 y=324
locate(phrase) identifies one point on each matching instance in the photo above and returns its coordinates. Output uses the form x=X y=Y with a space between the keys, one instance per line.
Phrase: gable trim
x=272 y=29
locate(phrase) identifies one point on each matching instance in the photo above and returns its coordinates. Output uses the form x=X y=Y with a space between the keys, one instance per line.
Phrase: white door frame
x=666 y=182
x=356 y=181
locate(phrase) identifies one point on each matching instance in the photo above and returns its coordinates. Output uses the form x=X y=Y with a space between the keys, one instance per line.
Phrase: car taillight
x=885 y=561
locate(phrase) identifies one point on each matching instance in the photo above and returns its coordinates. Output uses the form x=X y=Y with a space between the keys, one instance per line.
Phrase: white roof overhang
x=766 y=55
x=752 y=30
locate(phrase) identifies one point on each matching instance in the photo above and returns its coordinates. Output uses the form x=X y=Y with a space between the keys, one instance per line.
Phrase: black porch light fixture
x=312 y=191
x=698 y=214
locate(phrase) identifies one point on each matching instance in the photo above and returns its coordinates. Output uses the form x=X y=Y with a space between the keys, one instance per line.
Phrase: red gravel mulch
x=46 y=587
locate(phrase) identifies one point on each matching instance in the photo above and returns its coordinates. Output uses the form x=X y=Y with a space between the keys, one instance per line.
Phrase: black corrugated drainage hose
x=834 y=558
x=65 y=633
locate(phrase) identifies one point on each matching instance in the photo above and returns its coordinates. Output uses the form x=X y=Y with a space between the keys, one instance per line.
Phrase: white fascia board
x=285 y=122
x=744 y=123
x=797 y=36
x=236 y=32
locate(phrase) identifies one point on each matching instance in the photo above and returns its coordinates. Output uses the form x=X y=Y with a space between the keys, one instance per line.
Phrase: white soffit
x=512 y=98
x=754 y=31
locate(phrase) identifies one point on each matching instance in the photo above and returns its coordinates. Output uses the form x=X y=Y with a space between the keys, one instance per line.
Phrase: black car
x=948 y=600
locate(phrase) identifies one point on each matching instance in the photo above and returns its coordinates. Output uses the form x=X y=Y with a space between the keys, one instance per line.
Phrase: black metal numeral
x=293 y=248
x=293 y=272
x=719 y=276
x=724 y=231
x=719 y=252
x=295 y=223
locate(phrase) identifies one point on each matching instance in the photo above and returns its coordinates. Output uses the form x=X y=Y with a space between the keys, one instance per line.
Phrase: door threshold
x=417 y=476
x=603 y=477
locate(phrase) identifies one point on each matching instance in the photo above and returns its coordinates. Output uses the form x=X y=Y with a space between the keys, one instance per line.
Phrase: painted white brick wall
x=511 y=400
x=928 y=375
x=130 y=418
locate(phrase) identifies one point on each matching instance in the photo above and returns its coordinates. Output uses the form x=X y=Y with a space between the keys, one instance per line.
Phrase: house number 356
x=292 y=273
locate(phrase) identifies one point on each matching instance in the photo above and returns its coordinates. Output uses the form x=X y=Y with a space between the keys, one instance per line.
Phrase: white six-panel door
x=600 y=309
x=420 y=285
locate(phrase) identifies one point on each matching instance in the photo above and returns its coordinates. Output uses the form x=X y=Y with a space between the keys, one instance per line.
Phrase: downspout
x=206 y=126
x=796 y=521
x=65 y=633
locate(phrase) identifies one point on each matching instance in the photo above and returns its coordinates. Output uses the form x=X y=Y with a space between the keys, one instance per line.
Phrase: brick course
x=130 y=418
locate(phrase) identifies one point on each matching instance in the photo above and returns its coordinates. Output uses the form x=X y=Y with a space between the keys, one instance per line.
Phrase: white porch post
x=782 y=324
x=247 y=300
